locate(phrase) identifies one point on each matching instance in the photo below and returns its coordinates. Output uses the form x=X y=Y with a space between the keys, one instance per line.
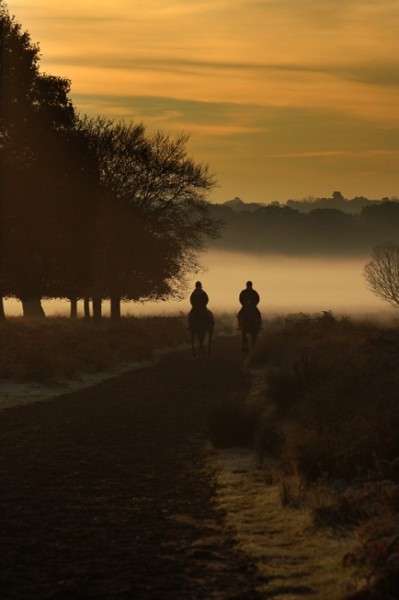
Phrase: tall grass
x=333 y=404
x=334 y=390
x=58 y=348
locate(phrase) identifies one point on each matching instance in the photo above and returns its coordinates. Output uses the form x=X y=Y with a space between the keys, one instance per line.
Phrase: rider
x=198 y=300
x=249 y=298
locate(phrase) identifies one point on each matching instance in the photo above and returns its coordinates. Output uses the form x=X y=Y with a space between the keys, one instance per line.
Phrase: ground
x=107 y=492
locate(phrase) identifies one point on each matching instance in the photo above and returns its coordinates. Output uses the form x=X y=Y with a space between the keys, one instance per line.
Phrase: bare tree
x=382 y=272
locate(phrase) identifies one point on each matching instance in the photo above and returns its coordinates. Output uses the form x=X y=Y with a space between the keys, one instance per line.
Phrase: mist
x=289 y=284
x=286 y=284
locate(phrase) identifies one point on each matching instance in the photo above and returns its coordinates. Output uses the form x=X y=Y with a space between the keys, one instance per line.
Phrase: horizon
x=286 y=284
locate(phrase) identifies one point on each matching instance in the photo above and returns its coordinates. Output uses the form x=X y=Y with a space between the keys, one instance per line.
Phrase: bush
x=333 y=400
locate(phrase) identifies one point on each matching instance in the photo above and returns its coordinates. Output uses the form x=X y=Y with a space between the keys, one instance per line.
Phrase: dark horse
x=250 y=324
x=201 y=322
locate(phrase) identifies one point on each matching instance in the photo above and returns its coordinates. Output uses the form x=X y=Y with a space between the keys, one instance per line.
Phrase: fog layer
x=286 y=284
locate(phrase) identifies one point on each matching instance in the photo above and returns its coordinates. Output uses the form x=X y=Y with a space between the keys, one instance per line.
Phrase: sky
x=281 y=98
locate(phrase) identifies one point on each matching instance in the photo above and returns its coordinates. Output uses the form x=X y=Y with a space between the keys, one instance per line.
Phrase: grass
x=56 y=349
x=329 y=417
x=329 y=420
x=332 y=404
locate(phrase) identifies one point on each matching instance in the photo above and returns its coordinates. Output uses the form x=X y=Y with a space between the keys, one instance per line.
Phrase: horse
x=201 y=322
x=250 y=324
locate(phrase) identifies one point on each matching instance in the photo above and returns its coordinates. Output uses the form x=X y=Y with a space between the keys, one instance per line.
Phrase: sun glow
x=325 y=63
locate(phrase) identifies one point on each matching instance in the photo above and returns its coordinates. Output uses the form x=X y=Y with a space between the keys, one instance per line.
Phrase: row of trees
x=281 y=229
x=89 y=208
x=335 y=201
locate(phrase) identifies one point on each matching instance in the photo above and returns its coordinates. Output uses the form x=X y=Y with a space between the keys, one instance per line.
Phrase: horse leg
x=210 y=336
x=244 y=342
x=201 y=338
x=254 y=336
x=193 y=343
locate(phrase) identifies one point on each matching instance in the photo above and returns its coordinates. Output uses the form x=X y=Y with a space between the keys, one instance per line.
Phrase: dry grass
x=56 y=349
x=332 y=402
x=329 y=419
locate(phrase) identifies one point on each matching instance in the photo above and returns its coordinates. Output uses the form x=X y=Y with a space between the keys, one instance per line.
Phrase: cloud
x=271 y=130
x=376 y=72
x=276 y=94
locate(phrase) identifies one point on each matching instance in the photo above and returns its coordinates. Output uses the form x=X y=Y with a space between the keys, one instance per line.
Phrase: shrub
x=333 y=391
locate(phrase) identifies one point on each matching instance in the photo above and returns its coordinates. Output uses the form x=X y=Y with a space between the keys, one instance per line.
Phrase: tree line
x=276 y=228
x=336 y=200
x=89 y=208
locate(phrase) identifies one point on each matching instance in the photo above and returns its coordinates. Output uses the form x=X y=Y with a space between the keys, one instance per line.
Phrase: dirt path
x=104 y=494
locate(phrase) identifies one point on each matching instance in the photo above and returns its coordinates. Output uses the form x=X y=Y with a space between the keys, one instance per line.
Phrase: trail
x=114 y=492
x=104 y=493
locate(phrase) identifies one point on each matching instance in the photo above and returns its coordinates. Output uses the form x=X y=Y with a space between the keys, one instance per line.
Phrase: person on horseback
x=199 y=300
x=249 y=300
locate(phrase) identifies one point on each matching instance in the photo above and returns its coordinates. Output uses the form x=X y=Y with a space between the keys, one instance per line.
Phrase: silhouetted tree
x=382 y=272
x=154 y=218
x=381 y=222
x=90 y=208
x=34 y=112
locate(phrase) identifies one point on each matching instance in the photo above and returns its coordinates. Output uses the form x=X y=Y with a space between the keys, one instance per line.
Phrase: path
x=104 y=494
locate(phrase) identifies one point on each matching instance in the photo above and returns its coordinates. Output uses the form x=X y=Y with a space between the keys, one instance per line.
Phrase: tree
x=35 y=111
x=153 y=220
x=90 y=208
x=382 y=272
x=49 y=178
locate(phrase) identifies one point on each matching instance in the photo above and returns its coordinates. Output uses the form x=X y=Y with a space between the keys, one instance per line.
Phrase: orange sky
x=282 y=98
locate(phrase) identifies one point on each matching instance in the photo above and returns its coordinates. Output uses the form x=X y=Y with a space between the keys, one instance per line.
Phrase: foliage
x=377 y=553
x=48 y=178
x=90 y=207
x=154 y=217
x=324 y=229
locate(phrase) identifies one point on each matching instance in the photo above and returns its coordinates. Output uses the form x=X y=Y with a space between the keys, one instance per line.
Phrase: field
x=325 y=428
x=53 y=350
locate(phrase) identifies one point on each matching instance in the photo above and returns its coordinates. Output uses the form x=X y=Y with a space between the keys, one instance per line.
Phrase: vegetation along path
x=104 y=492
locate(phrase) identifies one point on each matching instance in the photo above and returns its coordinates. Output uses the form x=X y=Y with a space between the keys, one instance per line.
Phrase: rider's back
x=199 y=299
x=249 y=297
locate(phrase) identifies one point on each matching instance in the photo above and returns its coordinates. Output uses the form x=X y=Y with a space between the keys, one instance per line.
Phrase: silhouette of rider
x=249 y=298
x=198 y=300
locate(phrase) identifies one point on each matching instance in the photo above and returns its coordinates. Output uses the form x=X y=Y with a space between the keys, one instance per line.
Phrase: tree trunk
x=32 y=308
x=86 y=307
x=115 y=307
x=2 y=311
x=74 y=308
x=97 y=302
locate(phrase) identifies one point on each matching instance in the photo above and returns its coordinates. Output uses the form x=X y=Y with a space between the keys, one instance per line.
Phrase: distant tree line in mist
x=89 y=208
x=336 y=200
x=281 y=228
